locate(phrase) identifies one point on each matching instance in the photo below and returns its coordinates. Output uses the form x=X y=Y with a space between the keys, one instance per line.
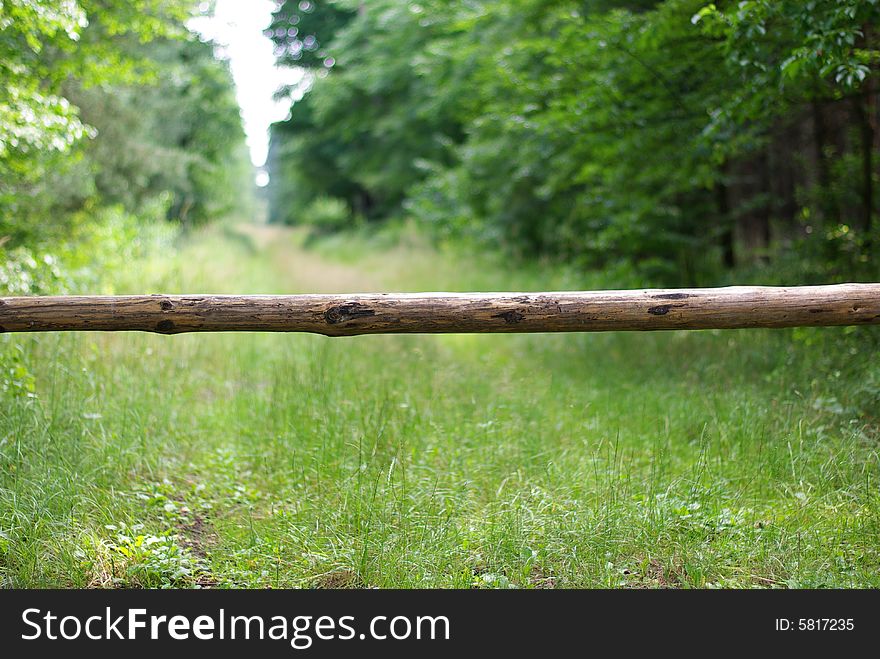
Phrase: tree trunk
x=863 y=118
x=867 y=121
x=765 y=212
x=728 y=254
x=827 y=202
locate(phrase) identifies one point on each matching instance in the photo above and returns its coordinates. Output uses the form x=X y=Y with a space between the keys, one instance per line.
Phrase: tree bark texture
x=432 y=313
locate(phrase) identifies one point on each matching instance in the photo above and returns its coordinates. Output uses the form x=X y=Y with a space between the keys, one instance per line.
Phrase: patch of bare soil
x=539 y=578
x=196 y=536
x=338 y=579
x=303 y=271
x=656 y=575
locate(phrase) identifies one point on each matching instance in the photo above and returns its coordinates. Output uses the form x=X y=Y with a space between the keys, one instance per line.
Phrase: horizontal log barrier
x=430 y=313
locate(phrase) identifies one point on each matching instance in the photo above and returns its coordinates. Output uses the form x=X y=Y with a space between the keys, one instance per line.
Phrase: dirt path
x=304 y=270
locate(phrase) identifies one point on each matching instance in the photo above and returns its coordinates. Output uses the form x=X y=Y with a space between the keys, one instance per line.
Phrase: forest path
x=262 y=459
x=305 y=270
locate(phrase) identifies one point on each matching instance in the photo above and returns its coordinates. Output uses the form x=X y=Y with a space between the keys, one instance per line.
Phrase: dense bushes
x=100 y=245
x=112 y=104
x=676 y=137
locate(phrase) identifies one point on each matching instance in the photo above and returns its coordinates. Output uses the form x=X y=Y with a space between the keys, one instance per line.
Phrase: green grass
x=701 y=459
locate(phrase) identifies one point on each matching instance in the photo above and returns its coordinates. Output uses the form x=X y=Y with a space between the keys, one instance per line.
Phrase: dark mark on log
x=166 y=305
x=344 y=312
x=2 y=329
x=511 y=316
x=165 y=326
x=820 y=310
x=663 y=309
x=671 y=296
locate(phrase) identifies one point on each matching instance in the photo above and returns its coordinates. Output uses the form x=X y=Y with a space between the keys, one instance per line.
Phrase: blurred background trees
x=111 y=104
x=665 y=142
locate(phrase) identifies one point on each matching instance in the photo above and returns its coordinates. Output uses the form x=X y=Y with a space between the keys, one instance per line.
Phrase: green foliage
x=302 y=30
x=36 y=122
x=22 y=272
x=99 y=243
x=304 y=166
x=16 y=379
x=107 y=103
x=674 y=137
x=366 y=132
x=796 y=43
x=326 y=215
x=178 y=136
x=785 y=53
x=150 y=561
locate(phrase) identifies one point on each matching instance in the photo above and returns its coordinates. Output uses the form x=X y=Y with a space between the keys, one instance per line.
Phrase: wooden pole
x=431 y=313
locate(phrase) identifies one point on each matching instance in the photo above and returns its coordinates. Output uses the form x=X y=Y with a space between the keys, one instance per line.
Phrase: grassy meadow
x=701 y=459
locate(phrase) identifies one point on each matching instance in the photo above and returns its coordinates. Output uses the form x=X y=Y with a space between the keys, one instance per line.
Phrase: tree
x=666 y=141
x=111 y=102
x=365 y=130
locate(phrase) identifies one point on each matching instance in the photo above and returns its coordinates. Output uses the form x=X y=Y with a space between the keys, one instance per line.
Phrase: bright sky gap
x=237 y=28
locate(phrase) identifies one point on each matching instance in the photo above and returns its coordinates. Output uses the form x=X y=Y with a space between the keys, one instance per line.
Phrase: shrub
x=327 y=215
x=28 y=272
